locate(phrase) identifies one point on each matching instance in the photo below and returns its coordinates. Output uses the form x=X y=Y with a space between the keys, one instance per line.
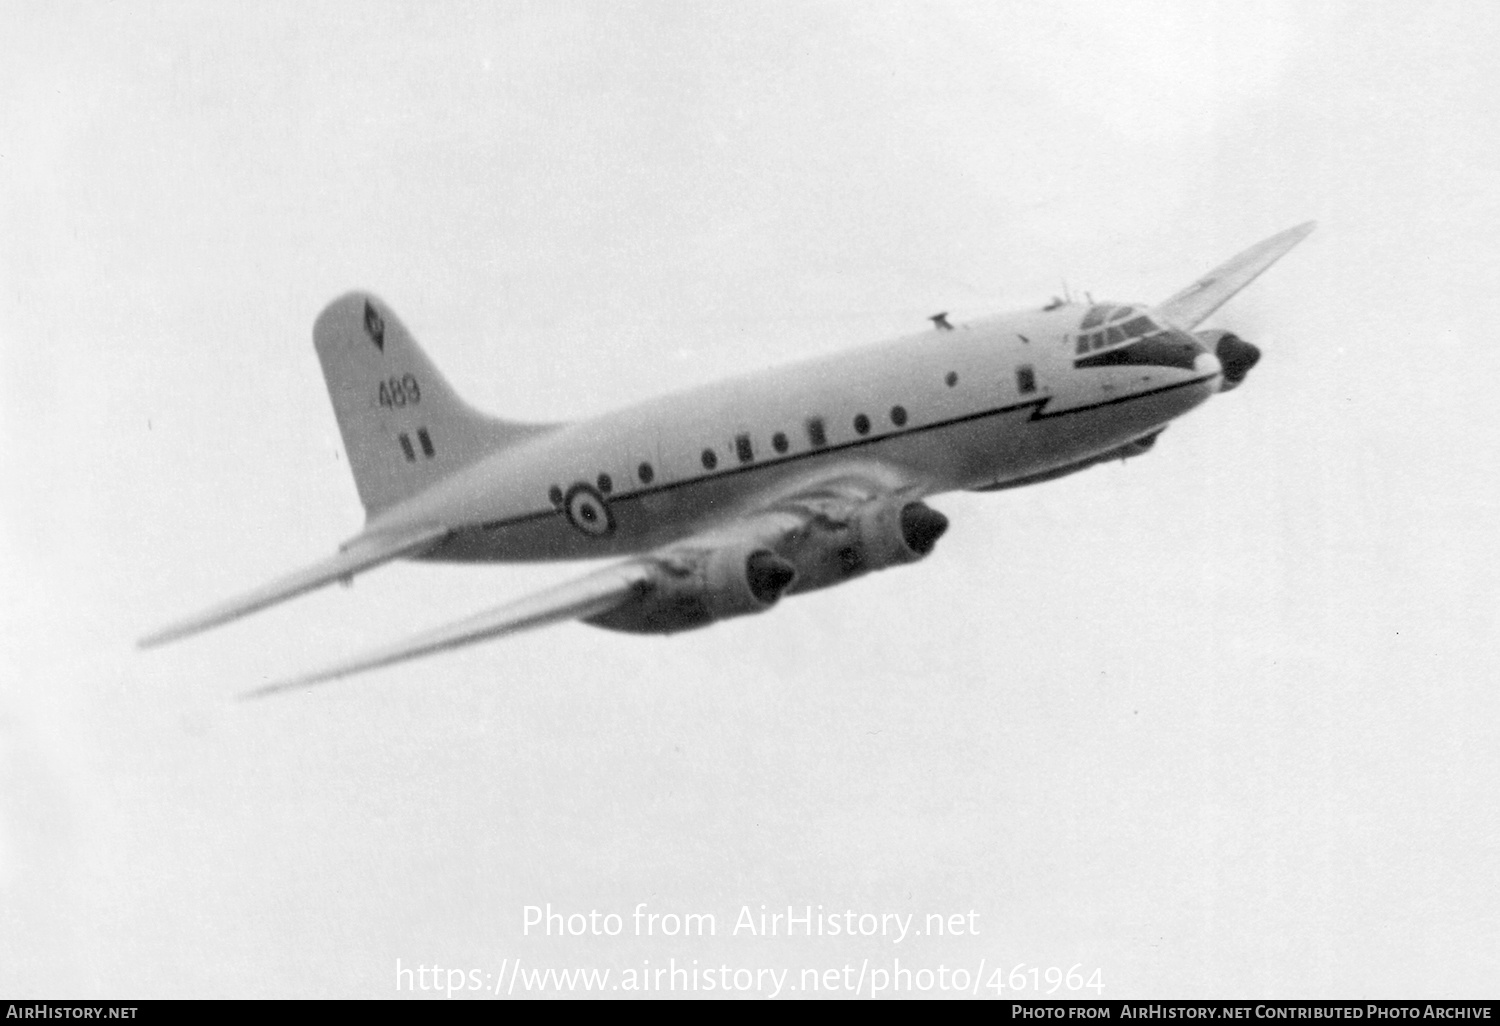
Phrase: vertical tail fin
x=403 y=427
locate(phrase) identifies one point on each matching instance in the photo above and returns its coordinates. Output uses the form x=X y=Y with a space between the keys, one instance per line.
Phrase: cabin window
x=710 y=461
x=898 y=415
x=411 y=456
x=426 y=440
x=862 y=424
x=952 y=378
x=815 y=432
x=1025 y=379
x=645 y=473
x=778 y=442
x=555 y=494
x=605 y=484
x=1116 y=335
x=1083 y=343
x=742 y=448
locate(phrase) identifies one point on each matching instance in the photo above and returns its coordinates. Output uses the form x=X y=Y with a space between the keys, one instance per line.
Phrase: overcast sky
x=1220 y=721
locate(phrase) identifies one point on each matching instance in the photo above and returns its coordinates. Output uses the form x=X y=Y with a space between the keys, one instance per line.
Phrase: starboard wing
x=1190 y=307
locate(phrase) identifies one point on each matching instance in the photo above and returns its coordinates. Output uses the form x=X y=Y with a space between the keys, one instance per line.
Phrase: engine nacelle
x=692 y=588
x=876 y=535
x=1235 y=355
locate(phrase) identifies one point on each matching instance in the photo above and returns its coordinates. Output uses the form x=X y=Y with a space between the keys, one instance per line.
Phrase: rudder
x=404 y=428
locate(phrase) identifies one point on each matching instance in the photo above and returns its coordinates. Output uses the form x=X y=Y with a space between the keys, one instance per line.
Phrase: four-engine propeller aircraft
x=728 y=497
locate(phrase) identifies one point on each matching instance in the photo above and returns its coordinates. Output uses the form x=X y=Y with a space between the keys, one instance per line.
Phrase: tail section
x=403 y=427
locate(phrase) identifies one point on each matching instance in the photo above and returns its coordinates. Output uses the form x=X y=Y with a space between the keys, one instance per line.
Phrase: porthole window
x=555 y=494
x=862 y=424
x=1025 y=379
x=898 y=415
x=815 y=433
x=605 y=484
x=952 y=378
x=778 y=442
x=743 y=448
x=710 y=461
x=645 y=473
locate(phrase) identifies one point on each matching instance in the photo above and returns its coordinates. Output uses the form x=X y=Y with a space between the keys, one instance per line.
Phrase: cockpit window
x=1104 y=312
x=1114 y=334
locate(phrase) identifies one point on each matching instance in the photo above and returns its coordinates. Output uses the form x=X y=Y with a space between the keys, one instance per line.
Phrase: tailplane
x=403 y=427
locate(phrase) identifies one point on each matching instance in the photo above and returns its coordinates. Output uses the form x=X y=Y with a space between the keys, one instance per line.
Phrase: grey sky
x=1220 y=721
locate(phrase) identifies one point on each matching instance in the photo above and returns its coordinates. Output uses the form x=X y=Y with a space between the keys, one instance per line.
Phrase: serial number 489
x=402 y=391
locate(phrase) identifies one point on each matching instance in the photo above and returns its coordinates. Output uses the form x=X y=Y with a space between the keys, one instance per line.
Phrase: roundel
x=588 y=512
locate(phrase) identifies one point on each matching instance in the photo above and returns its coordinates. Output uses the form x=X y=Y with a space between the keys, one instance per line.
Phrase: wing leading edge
x=597 y=593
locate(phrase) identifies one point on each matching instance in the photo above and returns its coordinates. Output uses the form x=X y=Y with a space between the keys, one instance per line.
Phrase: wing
x=741 y=564
x=1192 y=305
x=359 y=556
x=587 y=596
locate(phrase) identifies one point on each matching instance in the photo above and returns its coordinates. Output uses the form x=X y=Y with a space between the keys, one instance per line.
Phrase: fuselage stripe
x=1038 y=413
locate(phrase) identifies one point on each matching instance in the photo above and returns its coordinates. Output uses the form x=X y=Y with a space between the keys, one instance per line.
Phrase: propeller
x=1236 y=356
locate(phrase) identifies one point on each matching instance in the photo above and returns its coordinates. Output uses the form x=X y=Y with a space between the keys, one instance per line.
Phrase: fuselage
x=726 y=498
x=974 y=406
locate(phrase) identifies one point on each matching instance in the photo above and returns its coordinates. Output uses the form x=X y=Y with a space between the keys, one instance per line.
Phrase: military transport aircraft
x=728 y=497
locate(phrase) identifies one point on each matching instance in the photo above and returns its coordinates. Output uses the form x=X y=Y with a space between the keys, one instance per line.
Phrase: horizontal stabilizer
x=1192 y=305
x=587 y=596
x=364 y=554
